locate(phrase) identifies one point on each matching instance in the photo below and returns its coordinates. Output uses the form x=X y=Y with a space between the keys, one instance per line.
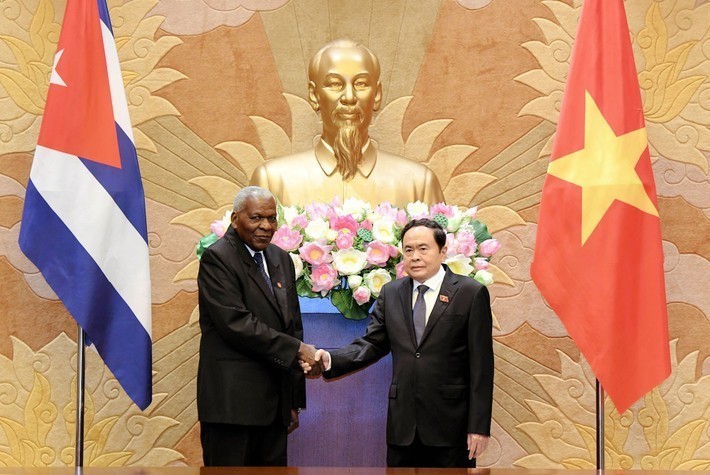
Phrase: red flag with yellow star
x=598 y=257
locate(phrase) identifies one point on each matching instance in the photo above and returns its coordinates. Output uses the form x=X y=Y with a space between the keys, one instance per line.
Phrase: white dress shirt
x=430 y=296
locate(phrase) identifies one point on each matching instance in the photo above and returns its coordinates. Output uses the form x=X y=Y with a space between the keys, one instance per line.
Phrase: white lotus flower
x=354 y=281
x=297 y=264
x=383 y=231
x=317 y=229
x=459 y=264
x=376 y=279
x=349 y=261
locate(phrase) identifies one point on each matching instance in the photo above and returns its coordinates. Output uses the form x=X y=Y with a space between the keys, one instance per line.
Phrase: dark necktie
x=259 y=259
x=419 y=313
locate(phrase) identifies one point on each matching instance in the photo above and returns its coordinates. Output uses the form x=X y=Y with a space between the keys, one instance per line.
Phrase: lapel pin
x=278 y=284
x=444 y=298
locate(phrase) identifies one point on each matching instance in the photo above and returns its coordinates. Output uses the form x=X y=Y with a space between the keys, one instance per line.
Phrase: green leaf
x=343 y=301
x=204 y=243
x=280 y=213
x=303 y=287
x=481 y=231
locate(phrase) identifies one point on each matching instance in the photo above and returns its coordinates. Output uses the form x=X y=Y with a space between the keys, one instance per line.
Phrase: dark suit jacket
x=443 y=388
x=248 y=371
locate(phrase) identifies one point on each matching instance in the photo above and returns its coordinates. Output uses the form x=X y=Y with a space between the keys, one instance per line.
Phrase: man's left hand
x=293 y=425
x=477 y=443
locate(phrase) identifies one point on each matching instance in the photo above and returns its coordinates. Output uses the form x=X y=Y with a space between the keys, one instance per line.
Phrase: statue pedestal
x=344 y=424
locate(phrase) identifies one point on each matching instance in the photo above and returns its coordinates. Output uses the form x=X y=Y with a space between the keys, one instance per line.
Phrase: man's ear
x=378 y=97
x=313 y=96
x=233 y=219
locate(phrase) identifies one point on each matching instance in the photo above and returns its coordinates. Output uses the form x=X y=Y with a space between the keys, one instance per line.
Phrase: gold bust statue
x=344 y=86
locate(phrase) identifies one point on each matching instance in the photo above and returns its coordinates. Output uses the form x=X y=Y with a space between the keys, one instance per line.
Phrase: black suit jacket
x=248 y=371
x=443 y=388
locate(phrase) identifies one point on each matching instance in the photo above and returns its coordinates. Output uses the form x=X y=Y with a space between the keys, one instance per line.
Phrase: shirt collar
x=326 y=158
x=433 y=282
x=252 y=251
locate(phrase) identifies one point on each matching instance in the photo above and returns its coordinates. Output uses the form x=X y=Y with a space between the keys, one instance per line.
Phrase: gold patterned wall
x=472 y=88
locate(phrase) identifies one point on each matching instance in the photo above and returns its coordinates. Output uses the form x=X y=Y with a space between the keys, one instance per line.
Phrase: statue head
x=344 y=86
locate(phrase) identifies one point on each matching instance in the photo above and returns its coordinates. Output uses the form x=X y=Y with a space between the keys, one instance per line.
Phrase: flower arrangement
x=347 y=251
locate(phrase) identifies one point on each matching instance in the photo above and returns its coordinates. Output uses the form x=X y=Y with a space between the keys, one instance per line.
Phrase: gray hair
x=255 y=192
x=314 y=65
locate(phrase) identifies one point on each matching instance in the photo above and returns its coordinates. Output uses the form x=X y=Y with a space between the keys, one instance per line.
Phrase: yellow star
x=604 y=168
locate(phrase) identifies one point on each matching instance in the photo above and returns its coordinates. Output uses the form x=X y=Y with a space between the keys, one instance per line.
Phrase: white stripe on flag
x=115 y=80
x=90 y=213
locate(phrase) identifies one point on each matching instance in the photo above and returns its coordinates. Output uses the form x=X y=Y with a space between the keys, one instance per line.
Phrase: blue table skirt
x=344 y=423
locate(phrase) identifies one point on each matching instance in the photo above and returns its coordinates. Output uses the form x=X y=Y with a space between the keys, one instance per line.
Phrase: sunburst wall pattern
x=472 y=88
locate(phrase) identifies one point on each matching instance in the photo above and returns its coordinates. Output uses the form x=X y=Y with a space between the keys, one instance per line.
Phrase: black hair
x=439 y=233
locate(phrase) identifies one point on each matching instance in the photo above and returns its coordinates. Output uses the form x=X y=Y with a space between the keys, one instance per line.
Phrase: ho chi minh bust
x=344 y=86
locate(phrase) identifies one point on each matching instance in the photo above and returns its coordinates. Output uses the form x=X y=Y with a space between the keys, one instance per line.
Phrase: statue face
x=345 y=90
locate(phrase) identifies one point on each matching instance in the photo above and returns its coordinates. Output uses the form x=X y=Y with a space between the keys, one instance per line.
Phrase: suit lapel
x=252 y=269
x=449 y=287
x=406 y=297
x=278 y=282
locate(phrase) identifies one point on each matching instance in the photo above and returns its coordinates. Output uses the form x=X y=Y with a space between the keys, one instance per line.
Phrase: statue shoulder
x=403 y=163
x=282 y=167
x=288 y=161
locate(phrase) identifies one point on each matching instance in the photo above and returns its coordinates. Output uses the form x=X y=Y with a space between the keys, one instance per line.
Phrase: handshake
x=312 y=361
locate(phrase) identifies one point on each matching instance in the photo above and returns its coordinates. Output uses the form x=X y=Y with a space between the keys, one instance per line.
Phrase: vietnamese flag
x=598 y=258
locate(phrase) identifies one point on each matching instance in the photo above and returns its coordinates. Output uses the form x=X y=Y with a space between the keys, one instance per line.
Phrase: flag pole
x=600 y=426
x=80 y=372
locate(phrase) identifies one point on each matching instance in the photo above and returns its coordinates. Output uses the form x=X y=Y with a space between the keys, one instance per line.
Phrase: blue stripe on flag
x=124 y=184
x=103 y=14
x=77 y=280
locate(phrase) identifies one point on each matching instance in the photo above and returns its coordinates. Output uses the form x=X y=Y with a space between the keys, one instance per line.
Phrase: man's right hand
x=321 y=364
x=306 y=354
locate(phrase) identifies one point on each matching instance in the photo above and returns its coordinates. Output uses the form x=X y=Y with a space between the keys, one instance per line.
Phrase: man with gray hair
x=249 y=386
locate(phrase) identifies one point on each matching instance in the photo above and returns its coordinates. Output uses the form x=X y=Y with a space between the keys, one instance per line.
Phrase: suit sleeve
x=220 y=295
x=480 y=344
x=364 y=350
x=298 y=379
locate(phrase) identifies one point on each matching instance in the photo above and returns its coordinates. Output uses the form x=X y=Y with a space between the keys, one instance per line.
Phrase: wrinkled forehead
x=347 y=62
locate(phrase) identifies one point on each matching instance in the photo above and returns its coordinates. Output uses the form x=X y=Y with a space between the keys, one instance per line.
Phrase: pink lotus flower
x=218 y=228
x=362 y=295
x=481 y=263
x=401 y=218
x=344 y=240
x=441 y=208
x=316 y=253
x=394 y=252
x=344 y=223
x=287 y=239
x=367 y=224
x=400 y=270
x=387 y=210
x=299 y=221
x=466 y=243
x=489 y=247
x=323 y=278
x=471 y=212
x=452 y=247
x=378 y=253
x=318 y=210
x=336 y=202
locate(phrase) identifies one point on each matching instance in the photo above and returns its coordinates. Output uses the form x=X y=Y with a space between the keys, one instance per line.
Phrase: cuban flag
x=84 y=221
